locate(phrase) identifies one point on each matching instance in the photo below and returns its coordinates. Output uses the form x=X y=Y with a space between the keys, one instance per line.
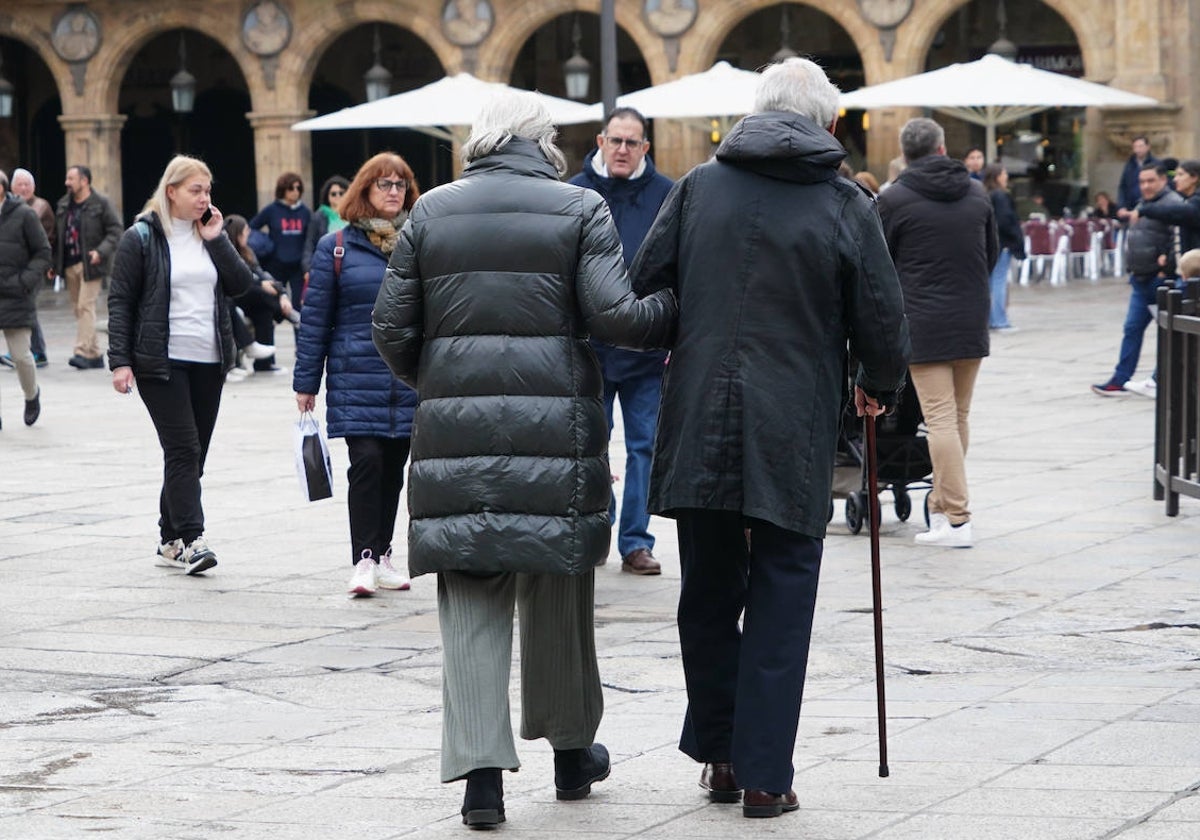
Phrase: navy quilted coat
x=363 y=398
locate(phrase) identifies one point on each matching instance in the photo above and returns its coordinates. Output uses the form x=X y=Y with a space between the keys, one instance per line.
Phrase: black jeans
x=264 y=312
x=744 y=687
x=184 y=412
x=376 y=476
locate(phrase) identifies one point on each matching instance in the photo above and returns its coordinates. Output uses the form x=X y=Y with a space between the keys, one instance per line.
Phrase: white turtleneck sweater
x=193 y=336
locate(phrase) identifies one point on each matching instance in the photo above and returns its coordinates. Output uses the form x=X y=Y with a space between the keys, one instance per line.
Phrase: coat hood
x=781 y=145
x=10 y=203
x=519 y=155
x=937 y=177
x=616 y=187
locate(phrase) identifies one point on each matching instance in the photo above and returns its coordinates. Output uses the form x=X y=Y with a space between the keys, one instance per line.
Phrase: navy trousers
x=744 y=686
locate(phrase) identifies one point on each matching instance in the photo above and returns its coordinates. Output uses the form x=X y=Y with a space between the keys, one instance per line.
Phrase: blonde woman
x=170 y=334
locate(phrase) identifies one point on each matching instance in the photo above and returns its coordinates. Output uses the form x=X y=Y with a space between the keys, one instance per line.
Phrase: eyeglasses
x=336 y=193
x=386 y=186
x=296 y=187
x=627 y=142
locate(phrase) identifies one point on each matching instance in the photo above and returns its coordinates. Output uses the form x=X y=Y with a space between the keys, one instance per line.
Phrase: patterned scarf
x=383 y=233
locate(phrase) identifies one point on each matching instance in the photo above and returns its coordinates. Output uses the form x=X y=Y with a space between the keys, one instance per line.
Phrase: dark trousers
x=264 y=312
x=37 y=341
x=376 y=477
x=184 y=412
x=744 y=687
x=241 y=333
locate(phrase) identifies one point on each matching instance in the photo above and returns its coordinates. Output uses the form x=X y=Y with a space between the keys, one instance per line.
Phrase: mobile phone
x=207 y=217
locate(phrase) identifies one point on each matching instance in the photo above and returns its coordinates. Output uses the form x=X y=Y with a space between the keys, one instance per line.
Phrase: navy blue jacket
x=363 y=398
x=634 y=204
x=287 y=226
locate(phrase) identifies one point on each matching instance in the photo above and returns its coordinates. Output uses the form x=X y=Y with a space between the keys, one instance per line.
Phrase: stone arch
x=1093 y=28
x=31 y=36
x=713 y=27
x=498 y=54
x=106 y=72
x=315 y=31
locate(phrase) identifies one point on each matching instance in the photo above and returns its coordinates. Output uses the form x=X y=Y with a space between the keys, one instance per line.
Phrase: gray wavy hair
x=798 y=86
x=513 y=113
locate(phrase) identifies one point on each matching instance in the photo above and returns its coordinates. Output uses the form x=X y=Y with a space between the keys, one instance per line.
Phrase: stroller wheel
x=856 y=512
x=903 y=503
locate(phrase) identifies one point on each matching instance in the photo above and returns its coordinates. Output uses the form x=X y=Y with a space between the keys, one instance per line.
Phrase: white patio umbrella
x=453 y=101
x=991 y=91
x=720 y=91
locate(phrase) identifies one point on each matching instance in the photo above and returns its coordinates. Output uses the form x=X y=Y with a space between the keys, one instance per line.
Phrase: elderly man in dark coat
x=777 y=262
x=485 y=310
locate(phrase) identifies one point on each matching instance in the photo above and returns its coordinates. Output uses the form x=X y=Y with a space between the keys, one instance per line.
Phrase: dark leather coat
x=24 y=258
x=778 y=262
x=485 y=310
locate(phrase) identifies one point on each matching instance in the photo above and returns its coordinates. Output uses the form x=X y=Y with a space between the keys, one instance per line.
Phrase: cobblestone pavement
x=1041 y=685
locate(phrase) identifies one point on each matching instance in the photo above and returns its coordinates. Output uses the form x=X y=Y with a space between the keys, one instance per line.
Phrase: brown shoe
x=640 y=562
x=759 y=803
x=717 y=778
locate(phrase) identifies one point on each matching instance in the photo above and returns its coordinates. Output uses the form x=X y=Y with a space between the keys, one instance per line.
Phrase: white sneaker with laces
x=938 y=521
x=951 y=536
x=198 y=557
x=1145 y=388
x=259 y=351
x=389 y=577
x=363 y=581
x=236 y=374
x=170 y=555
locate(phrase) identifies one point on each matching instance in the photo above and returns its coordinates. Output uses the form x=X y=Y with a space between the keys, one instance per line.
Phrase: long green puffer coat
x=486 y=308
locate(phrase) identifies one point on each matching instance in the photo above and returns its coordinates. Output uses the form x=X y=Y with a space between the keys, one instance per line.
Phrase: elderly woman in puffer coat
x=367 y=406
x=486 y=309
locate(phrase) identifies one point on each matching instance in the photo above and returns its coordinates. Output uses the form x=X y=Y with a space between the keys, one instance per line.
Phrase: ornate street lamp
x=378 y=80
x=6 y=94
x=577 y=70
x=1003 y=47
x=183 y=84
x=785 y=35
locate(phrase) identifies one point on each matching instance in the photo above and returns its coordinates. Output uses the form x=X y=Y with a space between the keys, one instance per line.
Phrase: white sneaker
x=938 y=521
x=951 y=536
x=198 y=557
x=363 y=581
x=170 y=555
x=236 y=374
x=389 y=577
x=259 y=351
x=1145 y=388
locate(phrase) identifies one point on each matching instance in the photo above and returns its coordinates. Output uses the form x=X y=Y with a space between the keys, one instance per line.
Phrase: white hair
x=21 y=172
x=514 y=113
x=798 y=86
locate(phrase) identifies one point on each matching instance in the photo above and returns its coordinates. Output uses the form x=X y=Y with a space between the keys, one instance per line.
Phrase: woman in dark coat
x=486 y=310
x=1012 y=242
x=169 y=330
x=367 y=406
x=24 y=259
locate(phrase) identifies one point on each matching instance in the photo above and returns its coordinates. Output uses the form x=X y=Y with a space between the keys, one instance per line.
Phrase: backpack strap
x=339 y=251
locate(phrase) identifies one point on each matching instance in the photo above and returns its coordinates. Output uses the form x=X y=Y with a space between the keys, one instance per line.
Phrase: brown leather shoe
x=717 y=778
x=759 y=803
x=640 y=562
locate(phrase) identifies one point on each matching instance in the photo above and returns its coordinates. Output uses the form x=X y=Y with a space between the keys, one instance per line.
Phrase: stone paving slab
x=1041 y=685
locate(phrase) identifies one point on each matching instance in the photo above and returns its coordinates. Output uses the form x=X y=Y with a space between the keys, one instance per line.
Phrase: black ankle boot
x=483 y=803
x=576 y=770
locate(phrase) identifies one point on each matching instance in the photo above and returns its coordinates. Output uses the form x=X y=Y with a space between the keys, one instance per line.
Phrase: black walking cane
x=876 y=592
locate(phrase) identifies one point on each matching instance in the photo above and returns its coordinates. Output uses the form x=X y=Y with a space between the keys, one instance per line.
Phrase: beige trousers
x=83 y=294
x=561 y=699
x=945 y=390
x=18 y=347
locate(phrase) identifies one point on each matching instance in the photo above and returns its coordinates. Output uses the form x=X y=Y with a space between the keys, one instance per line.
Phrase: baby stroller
x=902 y=454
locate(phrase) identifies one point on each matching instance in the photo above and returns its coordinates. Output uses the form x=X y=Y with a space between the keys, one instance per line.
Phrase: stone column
x=1139 y=48
x=278 y=149
x=94 y=141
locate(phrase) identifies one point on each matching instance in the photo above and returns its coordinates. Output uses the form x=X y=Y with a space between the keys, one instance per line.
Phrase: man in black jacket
x=87 y=232
x=941 y=230
x=777 y=261
x=1150 y=249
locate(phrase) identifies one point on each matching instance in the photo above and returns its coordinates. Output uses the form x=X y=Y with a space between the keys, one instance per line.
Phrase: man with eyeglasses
x=620 y=170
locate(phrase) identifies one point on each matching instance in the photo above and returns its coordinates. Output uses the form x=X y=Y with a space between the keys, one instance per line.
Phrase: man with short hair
x=941 y=231
x=777 y=262
x=24 y=186
x=1150 y=257
x=624 y=175
x=1128 y=191
x=87 y=229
